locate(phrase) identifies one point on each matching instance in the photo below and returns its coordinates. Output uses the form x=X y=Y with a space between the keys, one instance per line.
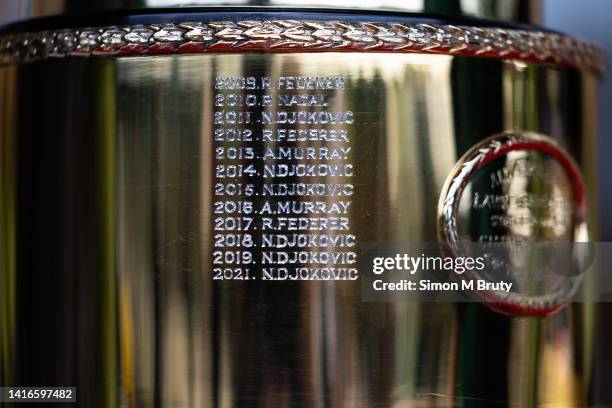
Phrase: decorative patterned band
x=303 y=36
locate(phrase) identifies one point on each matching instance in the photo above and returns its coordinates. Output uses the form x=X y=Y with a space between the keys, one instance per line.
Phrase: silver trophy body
x=124 y=167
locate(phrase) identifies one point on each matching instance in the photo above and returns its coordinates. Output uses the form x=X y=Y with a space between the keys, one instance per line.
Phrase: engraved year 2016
x=233 y=207
x=234 y=170
x=233 y=240
x=232 y=274
x=234 y=153
x=233 y=135
x=233 y=223
x=232 y=257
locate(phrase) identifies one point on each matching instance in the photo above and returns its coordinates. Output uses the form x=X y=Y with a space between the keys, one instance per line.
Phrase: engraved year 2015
x=234 y=189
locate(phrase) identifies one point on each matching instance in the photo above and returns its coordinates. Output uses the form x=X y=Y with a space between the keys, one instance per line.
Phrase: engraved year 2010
x=243 y=100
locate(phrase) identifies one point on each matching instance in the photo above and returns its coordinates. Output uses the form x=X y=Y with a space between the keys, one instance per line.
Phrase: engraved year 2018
x=233 y=240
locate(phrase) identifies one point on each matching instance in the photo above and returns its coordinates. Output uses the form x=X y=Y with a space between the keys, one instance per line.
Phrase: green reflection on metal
x=106 y=125
x=7 y=227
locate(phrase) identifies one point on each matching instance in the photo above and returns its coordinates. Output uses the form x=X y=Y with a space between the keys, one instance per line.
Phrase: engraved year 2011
x=232 y=118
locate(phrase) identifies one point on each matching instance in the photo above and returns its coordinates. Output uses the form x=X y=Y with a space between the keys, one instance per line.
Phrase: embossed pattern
x=300 y=36
x=448 y=215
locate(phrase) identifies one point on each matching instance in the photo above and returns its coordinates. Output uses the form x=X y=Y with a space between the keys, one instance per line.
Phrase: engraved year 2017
x=233 y=223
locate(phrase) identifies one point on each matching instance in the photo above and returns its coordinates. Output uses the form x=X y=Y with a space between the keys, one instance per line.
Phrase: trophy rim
x=281 y=32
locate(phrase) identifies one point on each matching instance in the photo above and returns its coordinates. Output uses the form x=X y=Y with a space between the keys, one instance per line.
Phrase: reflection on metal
x=129 y=142
x=506 y=209
x=297 y=36
x=8 y=211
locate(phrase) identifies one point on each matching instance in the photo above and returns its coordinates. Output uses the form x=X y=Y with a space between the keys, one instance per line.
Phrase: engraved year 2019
x=232 y=257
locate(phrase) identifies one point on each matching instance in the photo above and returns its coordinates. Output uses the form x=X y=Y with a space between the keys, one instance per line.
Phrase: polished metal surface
x=108 y=199
x=526 y=11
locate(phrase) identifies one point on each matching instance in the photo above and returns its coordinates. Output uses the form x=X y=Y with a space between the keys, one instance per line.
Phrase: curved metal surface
x=108 y=216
